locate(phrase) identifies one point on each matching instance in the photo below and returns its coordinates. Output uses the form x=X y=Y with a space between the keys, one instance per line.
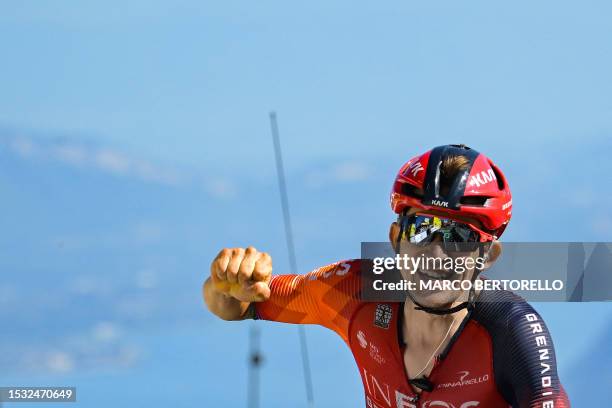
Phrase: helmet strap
x=469 y=304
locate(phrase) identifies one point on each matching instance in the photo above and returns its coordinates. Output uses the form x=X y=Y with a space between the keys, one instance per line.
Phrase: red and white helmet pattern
x=480 y=191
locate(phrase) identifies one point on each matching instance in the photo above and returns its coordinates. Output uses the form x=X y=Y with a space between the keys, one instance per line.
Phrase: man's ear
x=495 y=250
x=394 y=230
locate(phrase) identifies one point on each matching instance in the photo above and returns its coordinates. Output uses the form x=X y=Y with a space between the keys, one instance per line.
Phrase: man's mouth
x=435 y=274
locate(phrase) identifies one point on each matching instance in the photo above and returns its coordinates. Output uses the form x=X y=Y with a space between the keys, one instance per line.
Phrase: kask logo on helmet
x=481 y=178
x=439 y=203
x=415 y=167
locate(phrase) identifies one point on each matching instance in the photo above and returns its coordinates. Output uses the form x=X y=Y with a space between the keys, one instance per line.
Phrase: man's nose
x=436 y=248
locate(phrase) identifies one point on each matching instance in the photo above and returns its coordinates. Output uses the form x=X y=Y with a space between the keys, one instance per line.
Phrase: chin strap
x=441 y=311
x=469 y=304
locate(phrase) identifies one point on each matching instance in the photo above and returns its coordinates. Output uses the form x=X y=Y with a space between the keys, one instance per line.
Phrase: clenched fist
x=242 y=274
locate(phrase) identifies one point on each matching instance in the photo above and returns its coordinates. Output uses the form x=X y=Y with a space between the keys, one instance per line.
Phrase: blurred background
x=135 y=143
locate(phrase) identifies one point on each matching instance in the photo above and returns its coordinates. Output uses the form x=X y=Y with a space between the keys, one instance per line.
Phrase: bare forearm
x=222 y=305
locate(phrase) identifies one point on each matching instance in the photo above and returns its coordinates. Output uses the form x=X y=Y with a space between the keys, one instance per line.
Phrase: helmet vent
x=475 y=201
x=411 y=191
x=501 y=181
x=461 y=146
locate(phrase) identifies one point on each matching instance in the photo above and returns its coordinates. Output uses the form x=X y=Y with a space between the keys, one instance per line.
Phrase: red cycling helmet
x=480 y=191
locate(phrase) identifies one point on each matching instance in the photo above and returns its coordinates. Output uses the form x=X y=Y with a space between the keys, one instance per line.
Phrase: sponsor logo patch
x=484 y=177
x=464 y=378
x=382 y=316
x=362 y=339
x=414 y=168
x=442 y=404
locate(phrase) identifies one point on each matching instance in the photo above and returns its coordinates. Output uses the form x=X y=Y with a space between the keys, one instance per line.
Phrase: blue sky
x=143 y=128
x=183 y=80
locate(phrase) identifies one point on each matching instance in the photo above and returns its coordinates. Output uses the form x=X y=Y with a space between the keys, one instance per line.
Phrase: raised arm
x=326 y=296
x=237 y=278
x=241 y=287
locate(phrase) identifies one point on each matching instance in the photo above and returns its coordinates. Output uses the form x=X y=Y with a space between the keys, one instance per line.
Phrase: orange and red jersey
x=502 y=355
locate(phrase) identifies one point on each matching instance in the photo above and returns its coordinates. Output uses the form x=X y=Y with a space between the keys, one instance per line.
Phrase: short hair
x=450 y=166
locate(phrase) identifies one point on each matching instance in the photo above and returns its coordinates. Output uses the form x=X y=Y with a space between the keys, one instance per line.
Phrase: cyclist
x=438 y=348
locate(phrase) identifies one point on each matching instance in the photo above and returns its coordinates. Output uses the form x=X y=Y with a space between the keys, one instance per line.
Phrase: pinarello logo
x=442 y=404
x=463 y=380
x=362 y=339
x=462 y=375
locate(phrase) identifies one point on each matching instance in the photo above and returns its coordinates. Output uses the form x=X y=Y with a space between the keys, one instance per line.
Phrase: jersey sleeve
x=527 y=369
x=326 y=296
